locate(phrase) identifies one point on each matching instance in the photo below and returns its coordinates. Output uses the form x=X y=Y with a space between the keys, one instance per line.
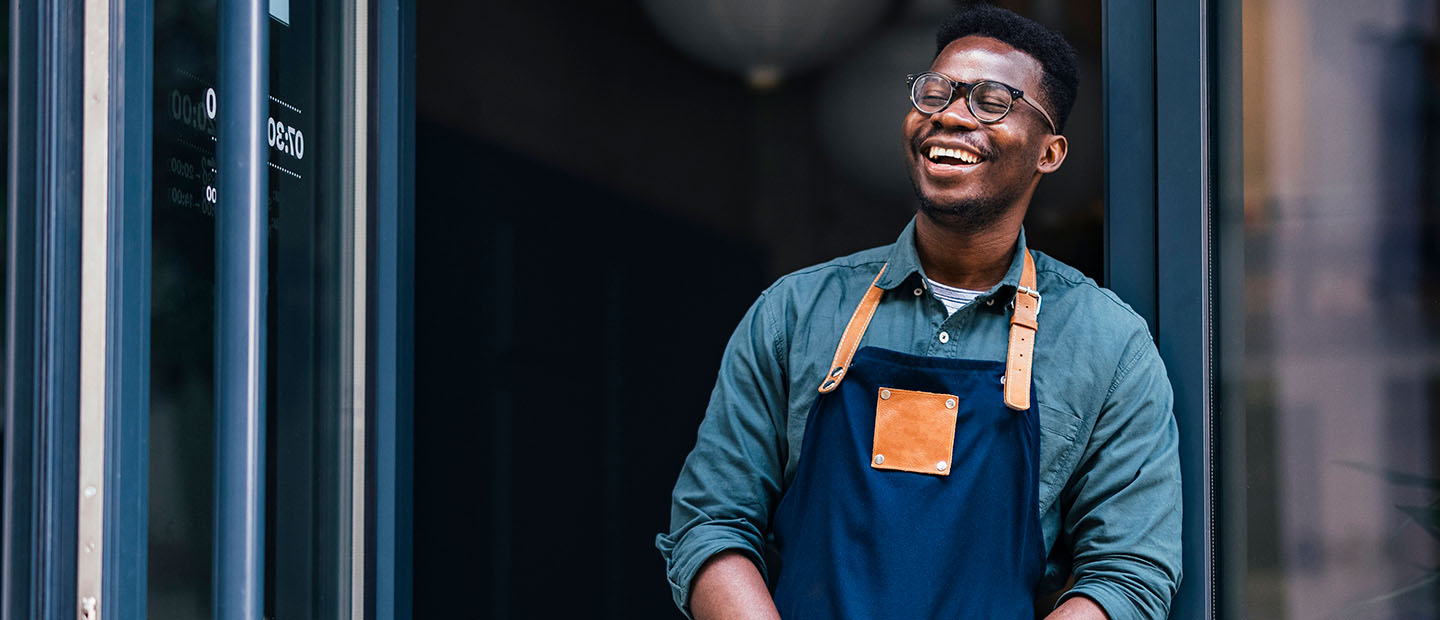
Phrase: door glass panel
x=309 y=377
x=1339 y=377
x=182 y=398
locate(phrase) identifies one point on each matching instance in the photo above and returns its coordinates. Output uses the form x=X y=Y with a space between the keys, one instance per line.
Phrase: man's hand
x=1078 y=608
x=729 y=587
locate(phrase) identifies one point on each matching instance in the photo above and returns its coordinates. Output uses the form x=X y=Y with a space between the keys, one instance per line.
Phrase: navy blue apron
x=915 y=492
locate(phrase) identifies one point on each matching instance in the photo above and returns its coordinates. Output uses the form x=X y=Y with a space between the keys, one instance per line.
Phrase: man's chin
x=961 y=212
x=946 y=194
x=951 y=215
x=942 y=204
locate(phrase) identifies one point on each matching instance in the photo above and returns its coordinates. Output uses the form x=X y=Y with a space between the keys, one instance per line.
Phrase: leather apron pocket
x=914 y=431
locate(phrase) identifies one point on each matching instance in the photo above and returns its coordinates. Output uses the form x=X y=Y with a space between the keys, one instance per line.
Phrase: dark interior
x=595 y=210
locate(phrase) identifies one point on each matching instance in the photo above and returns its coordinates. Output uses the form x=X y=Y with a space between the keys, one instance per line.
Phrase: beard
x=969 y=215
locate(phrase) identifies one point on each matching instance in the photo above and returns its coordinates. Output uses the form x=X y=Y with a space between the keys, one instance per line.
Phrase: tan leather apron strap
x=1021 y=354
x=1018 y=358
x=854 y=331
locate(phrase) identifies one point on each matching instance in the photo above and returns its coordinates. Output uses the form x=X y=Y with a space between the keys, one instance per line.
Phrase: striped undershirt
x=953 y=298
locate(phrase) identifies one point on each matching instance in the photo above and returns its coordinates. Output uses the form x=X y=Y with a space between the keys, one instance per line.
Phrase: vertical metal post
x=22 y=281
x=77 y=310
x=127 y=407
x=94 y=308
x=392 y=243
x=1159 y=242
x=358 y=86
x=241 y=229
x=127 y=384
x=43 y=311
x=1183 y=227
x=1129 y=105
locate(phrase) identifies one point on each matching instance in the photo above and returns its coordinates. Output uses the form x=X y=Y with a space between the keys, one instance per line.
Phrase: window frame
x=1159 y=64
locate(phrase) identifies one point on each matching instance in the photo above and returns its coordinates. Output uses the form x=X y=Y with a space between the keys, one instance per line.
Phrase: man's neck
x=975 y=260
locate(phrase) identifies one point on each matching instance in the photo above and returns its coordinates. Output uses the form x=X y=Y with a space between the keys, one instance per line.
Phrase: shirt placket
x=948 y=332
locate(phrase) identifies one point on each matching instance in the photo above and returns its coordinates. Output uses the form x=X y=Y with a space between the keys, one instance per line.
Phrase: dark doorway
x=594 y=213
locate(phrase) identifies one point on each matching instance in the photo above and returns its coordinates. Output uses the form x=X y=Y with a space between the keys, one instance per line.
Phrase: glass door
x=123 y=152
x=310 y=377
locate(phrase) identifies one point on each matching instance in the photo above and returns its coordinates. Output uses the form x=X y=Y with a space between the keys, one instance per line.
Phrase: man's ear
x=1053 y=154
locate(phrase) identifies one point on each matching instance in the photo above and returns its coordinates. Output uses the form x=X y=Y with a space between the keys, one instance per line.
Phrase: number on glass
x=286 y=139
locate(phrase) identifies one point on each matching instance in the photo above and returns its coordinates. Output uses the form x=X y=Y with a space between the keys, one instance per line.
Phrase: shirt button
x=919 y=291
x=944 y=337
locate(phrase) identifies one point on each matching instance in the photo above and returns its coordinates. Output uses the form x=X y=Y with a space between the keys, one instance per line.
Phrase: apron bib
x=915 y=493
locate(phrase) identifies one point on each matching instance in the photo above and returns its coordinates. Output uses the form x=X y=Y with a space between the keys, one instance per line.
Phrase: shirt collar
x=904 y=263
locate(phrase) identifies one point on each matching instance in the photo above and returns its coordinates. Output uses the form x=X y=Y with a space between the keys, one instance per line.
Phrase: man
x=951 y=426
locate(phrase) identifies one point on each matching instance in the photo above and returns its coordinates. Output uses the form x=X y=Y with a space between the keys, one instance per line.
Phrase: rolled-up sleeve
x=1122 y=512
x=731 y=481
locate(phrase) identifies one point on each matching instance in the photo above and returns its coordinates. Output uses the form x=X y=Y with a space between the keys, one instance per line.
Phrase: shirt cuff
x=1118 y=603
x=685 y=556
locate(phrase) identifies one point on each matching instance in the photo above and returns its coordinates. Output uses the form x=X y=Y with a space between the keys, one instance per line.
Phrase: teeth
x=964 y=156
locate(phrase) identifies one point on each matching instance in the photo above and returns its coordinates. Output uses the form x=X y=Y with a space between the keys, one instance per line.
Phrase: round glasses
x=988 y=100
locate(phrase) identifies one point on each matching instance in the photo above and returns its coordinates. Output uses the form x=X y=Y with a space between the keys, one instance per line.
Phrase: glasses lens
x=930 y=93
x=989 y=101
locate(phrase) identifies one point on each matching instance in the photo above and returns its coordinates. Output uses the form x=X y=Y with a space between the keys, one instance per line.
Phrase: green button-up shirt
x=1109 y=464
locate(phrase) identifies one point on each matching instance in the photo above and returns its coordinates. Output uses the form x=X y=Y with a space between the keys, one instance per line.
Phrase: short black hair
x=1056 y=56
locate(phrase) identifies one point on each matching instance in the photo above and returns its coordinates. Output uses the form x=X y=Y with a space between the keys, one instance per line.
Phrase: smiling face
x=971 y=174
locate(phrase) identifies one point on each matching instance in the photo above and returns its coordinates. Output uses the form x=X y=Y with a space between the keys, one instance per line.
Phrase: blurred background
x=1338 y=372
x=602 y=189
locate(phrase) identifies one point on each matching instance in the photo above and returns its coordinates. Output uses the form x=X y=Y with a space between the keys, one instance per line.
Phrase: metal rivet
x=839 y=370
x=919 y=291
x=944 y=337
x=879 y=459
x=941 y=465
x=949 y=403
x=990 y=302
x=884 y=394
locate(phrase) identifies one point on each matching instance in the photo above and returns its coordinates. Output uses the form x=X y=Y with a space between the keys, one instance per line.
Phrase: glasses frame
x=966 y=88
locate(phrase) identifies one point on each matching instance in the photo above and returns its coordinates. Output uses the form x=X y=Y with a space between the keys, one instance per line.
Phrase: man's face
x=1009 y=152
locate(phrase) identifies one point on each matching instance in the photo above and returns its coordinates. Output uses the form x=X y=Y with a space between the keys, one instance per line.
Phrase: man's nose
x=955 y=116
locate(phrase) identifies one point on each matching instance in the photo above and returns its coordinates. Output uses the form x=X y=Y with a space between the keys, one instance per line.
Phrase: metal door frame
x=390 y=407
x=1160 y=168
x=43 y=299
x=127 y=399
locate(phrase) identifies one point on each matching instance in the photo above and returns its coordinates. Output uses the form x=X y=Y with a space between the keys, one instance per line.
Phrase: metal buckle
x=1031 y=292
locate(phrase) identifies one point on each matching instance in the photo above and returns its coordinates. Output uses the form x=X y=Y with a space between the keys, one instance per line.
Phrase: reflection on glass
x=182 y=408
x=309 y=382
x=1341 y=379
